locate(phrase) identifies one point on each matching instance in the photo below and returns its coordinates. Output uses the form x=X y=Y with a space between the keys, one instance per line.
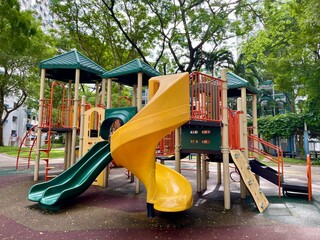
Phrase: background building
x=22 y=119
x=41 y=10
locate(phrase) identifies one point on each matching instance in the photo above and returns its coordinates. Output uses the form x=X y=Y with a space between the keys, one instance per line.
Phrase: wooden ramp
x=249 y=179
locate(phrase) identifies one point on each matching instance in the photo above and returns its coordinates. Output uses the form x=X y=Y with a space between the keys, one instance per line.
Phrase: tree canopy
x=22 y=46
x=169 y=35
x=281 y=42
x=287 y=46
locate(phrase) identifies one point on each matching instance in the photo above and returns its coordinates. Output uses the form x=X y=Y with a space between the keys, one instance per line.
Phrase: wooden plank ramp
x=249 y=180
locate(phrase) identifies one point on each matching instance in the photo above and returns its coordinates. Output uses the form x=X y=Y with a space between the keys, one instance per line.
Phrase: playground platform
x=117 y=212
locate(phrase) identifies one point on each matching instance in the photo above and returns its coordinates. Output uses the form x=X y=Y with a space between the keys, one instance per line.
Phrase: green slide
x=74 y=180
x=80 y=176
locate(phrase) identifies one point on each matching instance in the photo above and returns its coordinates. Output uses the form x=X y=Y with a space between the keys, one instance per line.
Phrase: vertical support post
x=239 y=108
x=109 y=105
x=198 y=172
x=203 y=172
x=134 y=95
x=139 y=107
x=97 y=94
x=134 y=103
x=103 y=91
x=255 y=116
x=219 y=173
x=66 y=151
x=69 y=148
x=39 y=130
x=75 y=116
x=244 y=121
x=139 y=92
x=244 y=135
x=68 y=114
x=83 y=103
x=102 y=102
x=69 y=104
x=255 y=127
x=177 y=146
x=225 y=140
x=109 y=90
x=96 y=115
x=243 y=189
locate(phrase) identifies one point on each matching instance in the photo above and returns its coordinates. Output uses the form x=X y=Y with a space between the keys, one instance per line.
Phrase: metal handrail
x=33 y=129
x=278 y=160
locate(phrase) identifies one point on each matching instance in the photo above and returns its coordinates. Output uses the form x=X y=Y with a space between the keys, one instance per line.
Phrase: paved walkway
x=117 y=212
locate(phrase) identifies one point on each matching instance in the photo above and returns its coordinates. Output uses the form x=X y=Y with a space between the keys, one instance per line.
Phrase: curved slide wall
x=133 y=145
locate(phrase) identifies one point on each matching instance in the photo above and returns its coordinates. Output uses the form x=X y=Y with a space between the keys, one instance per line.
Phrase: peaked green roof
x=63 y=66
x=235 y=83
x=127 y=73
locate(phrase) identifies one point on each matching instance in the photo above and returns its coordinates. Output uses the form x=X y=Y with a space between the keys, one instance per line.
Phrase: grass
x=292 y=161
x=13 y=151
x=59 y=153
x=295 y=161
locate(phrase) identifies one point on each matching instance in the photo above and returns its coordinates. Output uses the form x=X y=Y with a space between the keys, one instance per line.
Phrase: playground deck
x=117 y=212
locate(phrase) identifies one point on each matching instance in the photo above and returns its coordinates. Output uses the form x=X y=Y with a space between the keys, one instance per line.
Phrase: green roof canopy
x=127 y=73
x=63 y=67
x=235 y=83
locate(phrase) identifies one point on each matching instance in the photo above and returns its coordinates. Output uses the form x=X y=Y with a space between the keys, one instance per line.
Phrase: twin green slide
x=74 y=180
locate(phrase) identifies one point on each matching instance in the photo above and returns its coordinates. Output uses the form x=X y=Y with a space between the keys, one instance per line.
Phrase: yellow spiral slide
x=133 y=145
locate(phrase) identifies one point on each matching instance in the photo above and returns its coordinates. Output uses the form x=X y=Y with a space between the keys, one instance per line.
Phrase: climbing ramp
x=249 y=179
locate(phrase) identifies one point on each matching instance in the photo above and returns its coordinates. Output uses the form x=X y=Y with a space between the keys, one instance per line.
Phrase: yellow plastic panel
x=133 y=145
x=173 y=190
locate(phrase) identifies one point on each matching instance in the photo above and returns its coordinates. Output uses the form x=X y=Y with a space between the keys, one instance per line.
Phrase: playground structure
x=185 y=114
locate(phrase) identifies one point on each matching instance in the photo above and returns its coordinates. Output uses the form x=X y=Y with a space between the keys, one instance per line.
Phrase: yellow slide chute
x=133 y=145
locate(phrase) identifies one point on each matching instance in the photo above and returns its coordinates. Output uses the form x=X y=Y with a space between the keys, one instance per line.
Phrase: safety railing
x=166 y=145
x=46 y=106
x=259 y=149
x=124 y=100
x=205 y=97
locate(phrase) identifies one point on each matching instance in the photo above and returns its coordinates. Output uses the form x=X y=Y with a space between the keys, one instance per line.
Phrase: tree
x=282 y=125
x=213 y=60
x=21 y=39
x=288 y=48
x=84 y=25
x=169 y=35
x=248 y=70
x=181 y=29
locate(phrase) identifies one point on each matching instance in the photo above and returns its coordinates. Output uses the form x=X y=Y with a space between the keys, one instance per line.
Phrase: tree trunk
x=1 y=135
x=300 y=145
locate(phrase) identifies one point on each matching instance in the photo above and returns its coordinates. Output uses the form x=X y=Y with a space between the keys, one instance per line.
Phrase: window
x=14 y=119
x=13 y=133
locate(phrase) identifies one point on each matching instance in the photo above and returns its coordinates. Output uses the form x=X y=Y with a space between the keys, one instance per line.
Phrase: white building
x=20 y=120
x=42 y=11
x=17 y=124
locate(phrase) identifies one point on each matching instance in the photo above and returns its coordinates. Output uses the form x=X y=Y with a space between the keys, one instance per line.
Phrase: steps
x=249 y=179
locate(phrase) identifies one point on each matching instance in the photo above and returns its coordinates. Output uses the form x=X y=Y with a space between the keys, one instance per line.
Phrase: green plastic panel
x=201 y=138
x=124 y=114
